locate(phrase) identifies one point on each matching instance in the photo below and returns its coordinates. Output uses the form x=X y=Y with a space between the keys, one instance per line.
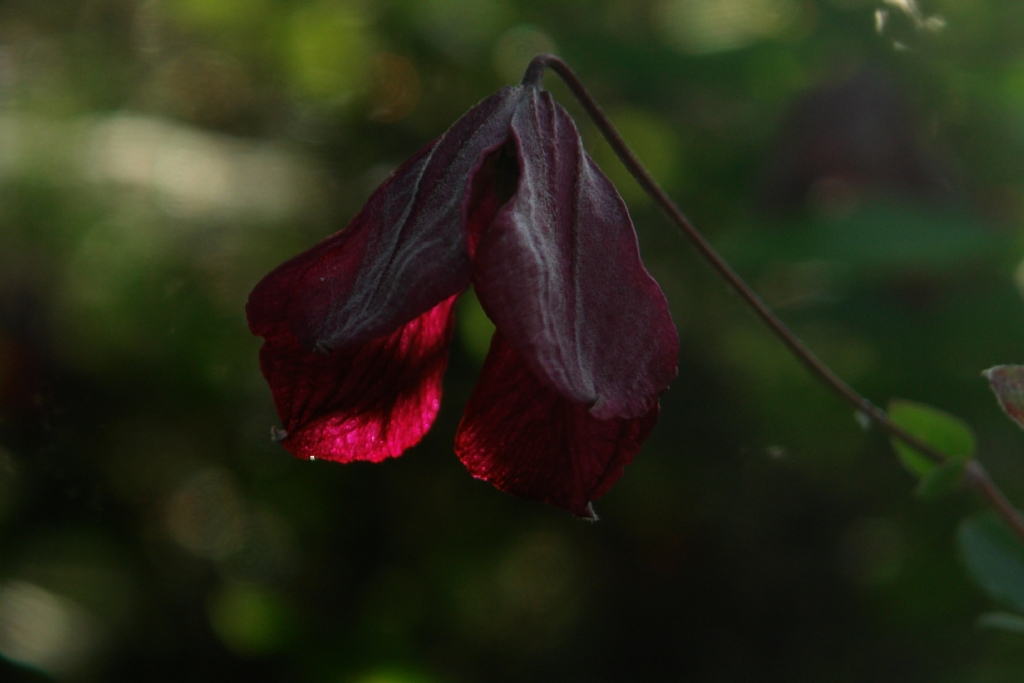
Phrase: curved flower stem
x=975 y=475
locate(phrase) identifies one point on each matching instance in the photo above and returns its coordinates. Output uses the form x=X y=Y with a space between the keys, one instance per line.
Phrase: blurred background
x=860 y=161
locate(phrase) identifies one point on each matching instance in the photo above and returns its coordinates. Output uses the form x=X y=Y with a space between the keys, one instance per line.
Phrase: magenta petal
x=529 y=440
x=559 y=273
x=366 y=402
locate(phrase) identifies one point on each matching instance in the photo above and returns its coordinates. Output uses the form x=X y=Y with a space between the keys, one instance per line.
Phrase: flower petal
x=531 y=441
x=356 y=328
x=559 y=273
x=365 y=402
x=400 y=256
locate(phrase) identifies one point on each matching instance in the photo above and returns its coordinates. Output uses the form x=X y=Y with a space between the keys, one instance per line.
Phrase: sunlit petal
x=366 y=402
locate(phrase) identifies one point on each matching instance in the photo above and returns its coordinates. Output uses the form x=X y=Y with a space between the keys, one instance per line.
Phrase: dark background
x=861 y=163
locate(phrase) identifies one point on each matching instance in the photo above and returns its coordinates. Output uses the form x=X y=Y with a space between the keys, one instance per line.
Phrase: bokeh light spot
x=209 y=88
x=537 y=576
x=329 y=52
x=205 y=514
x=706 y=26
x=195 y=174
x=393 y=675
x=396 y=88
x=44 y=630
x=249 y=619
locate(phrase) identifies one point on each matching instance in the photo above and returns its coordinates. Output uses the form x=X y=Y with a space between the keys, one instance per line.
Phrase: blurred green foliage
x=936 y=428
x=996 y=560
x=859 y=161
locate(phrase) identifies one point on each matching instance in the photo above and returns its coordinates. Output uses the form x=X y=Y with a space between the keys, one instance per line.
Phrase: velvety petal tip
x=528 y=440
x=369 y=402
x=371 y=436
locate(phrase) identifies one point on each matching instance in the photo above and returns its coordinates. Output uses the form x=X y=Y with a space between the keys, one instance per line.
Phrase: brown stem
x=975 y=475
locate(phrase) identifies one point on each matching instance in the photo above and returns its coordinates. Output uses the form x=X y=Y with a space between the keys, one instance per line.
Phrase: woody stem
x=975 y=475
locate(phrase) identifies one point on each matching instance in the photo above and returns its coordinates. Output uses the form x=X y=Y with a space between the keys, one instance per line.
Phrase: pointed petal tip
x=528 y=440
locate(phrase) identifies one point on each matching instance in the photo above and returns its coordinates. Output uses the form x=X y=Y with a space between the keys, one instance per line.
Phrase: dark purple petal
x=491 y=184
x=365 y=402
x=531 y=441
x=400 y=256
x=559 y=273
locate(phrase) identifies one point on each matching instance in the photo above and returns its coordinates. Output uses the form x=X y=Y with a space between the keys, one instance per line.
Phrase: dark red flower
x=357 y=328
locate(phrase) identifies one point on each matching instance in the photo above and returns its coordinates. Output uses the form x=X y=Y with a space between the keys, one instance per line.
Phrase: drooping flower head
x=357 y=328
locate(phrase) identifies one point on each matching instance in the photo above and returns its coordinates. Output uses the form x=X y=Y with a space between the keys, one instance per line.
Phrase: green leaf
x=994 y=557
x=1007 y=382
x=946 y=433
x=941 y=480
x=1002 y=621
